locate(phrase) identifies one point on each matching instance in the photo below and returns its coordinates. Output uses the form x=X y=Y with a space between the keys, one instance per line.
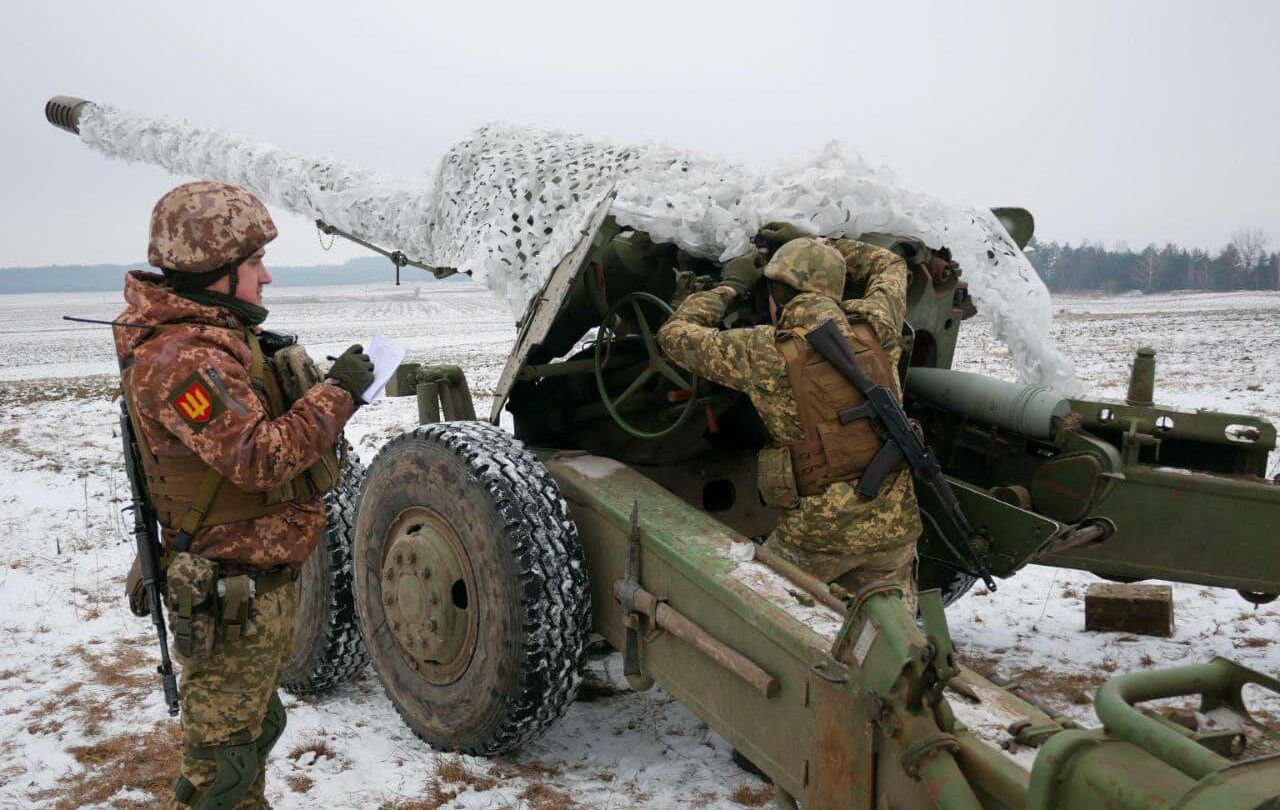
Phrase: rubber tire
x=327 y=646
x=530 y=585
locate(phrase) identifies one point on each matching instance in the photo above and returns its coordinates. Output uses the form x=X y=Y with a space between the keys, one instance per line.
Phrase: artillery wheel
x=471 y=587
x=327 y=647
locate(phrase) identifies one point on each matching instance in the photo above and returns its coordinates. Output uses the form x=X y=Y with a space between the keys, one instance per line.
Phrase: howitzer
x=149 y=551
x=480 y=563
x=900 y=441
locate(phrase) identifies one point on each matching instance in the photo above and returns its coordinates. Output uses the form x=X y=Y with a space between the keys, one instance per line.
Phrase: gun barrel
x=64 y=112
x=359 y=202
x=1024 y=409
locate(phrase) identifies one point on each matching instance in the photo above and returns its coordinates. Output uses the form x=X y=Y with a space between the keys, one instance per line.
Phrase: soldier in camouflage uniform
x=826 y=529
x=224 y=467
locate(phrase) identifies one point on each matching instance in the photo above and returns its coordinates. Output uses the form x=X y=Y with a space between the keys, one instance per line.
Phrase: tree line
x=1244 y=263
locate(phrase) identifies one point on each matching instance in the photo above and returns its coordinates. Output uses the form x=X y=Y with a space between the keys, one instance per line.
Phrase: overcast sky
x=1135 y=121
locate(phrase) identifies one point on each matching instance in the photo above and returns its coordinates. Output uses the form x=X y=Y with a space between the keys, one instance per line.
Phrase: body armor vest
x=831 y=451
x=188 y=494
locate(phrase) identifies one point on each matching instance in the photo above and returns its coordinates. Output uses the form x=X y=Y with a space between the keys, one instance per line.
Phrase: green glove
x=777 y=234
x=741 y=273
x=352 y=372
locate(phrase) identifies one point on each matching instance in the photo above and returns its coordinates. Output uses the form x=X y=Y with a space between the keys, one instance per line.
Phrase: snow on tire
x=327 y=647
x=471 y=587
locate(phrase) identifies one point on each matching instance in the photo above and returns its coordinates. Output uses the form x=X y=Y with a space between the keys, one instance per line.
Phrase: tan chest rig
x=188 y=494
x=830 y=451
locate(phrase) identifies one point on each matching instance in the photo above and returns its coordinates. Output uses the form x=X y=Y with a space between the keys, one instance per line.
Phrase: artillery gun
x=625 y=503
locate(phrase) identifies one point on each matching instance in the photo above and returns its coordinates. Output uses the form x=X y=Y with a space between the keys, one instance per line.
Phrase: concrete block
x=1143 y=609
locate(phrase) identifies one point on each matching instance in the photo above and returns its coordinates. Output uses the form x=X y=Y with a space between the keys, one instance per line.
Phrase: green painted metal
x=1077 y=770
x=1025 y=409
x=1170 y=526
x=655 y=366
x=997 y=780
x=859 y=719
x=1018 y=222
x=1219 y=682
x=1014 y=534
x=1162 y=477
x=424 y=564
x=684 y=560
x=1142 y=378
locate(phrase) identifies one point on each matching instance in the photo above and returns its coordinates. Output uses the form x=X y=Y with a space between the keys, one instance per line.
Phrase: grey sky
x=1136 y=121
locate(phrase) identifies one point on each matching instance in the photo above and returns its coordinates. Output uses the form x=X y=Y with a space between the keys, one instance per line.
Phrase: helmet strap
x=190 y=282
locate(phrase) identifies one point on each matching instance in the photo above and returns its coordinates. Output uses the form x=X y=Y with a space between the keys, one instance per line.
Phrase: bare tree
x=1148 y=268
x=1251 y=250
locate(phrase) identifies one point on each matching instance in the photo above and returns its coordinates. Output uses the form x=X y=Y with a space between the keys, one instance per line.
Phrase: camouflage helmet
x=204 y=226
x=808 y=265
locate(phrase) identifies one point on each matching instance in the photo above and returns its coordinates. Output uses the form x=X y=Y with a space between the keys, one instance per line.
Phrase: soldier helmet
x=808 y=265
x=207 y=229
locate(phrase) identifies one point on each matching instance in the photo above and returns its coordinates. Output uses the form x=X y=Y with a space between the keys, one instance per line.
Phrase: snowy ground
x=81 y=719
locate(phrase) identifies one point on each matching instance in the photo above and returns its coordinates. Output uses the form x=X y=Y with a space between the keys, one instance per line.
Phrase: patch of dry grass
x=531 y=770
x=1041 y=685
x=453 y=771
x=32 y=392
x=749 y=796
x=319 y=747
x=541 y=796
x=145 y=761
x=434 y=797
x=1253 y=642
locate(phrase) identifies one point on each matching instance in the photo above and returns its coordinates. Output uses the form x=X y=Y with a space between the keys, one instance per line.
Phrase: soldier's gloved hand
x=352 y=372
x=777 y=234
x=741 y=274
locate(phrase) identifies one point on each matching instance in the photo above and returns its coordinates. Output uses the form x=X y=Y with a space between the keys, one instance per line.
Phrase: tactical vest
x=188 y=494
x=831 y=451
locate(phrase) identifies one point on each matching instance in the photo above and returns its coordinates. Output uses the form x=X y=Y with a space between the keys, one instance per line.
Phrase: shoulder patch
x=196 y=402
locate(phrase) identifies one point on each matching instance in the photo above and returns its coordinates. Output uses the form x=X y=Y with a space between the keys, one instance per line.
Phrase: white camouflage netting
x=508 y=203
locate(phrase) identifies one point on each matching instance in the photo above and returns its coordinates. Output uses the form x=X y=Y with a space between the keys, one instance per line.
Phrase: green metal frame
x=861 y=721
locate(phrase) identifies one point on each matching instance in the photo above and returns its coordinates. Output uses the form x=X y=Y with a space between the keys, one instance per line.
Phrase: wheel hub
x=426 y=592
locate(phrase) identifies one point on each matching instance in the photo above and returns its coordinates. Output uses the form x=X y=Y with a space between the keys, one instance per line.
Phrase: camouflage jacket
x=837 y=521
x=238 y=439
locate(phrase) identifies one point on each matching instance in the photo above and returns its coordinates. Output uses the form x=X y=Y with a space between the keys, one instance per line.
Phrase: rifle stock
x=831 y=343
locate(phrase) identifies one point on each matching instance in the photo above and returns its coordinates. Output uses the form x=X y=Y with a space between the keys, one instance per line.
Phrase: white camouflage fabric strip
x=508 y=203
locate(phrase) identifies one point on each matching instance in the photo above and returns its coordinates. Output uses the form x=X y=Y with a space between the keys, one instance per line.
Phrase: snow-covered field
x=81 y=717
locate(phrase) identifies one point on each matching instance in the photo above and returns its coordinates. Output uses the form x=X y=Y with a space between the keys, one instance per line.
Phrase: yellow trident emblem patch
x=195 y=402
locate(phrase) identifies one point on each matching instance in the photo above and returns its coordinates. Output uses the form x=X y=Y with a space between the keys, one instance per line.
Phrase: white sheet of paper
x=386 y=356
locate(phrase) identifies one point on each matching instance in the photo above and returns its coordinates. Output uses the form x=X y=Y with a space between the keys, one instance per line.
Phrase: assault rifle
x=144 y=535
x=901 y=442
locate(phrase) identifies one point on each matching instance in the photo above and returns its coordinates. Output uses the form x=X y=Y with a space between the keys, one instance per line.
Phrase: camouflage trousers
x=225 y=695
x=853 y=572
